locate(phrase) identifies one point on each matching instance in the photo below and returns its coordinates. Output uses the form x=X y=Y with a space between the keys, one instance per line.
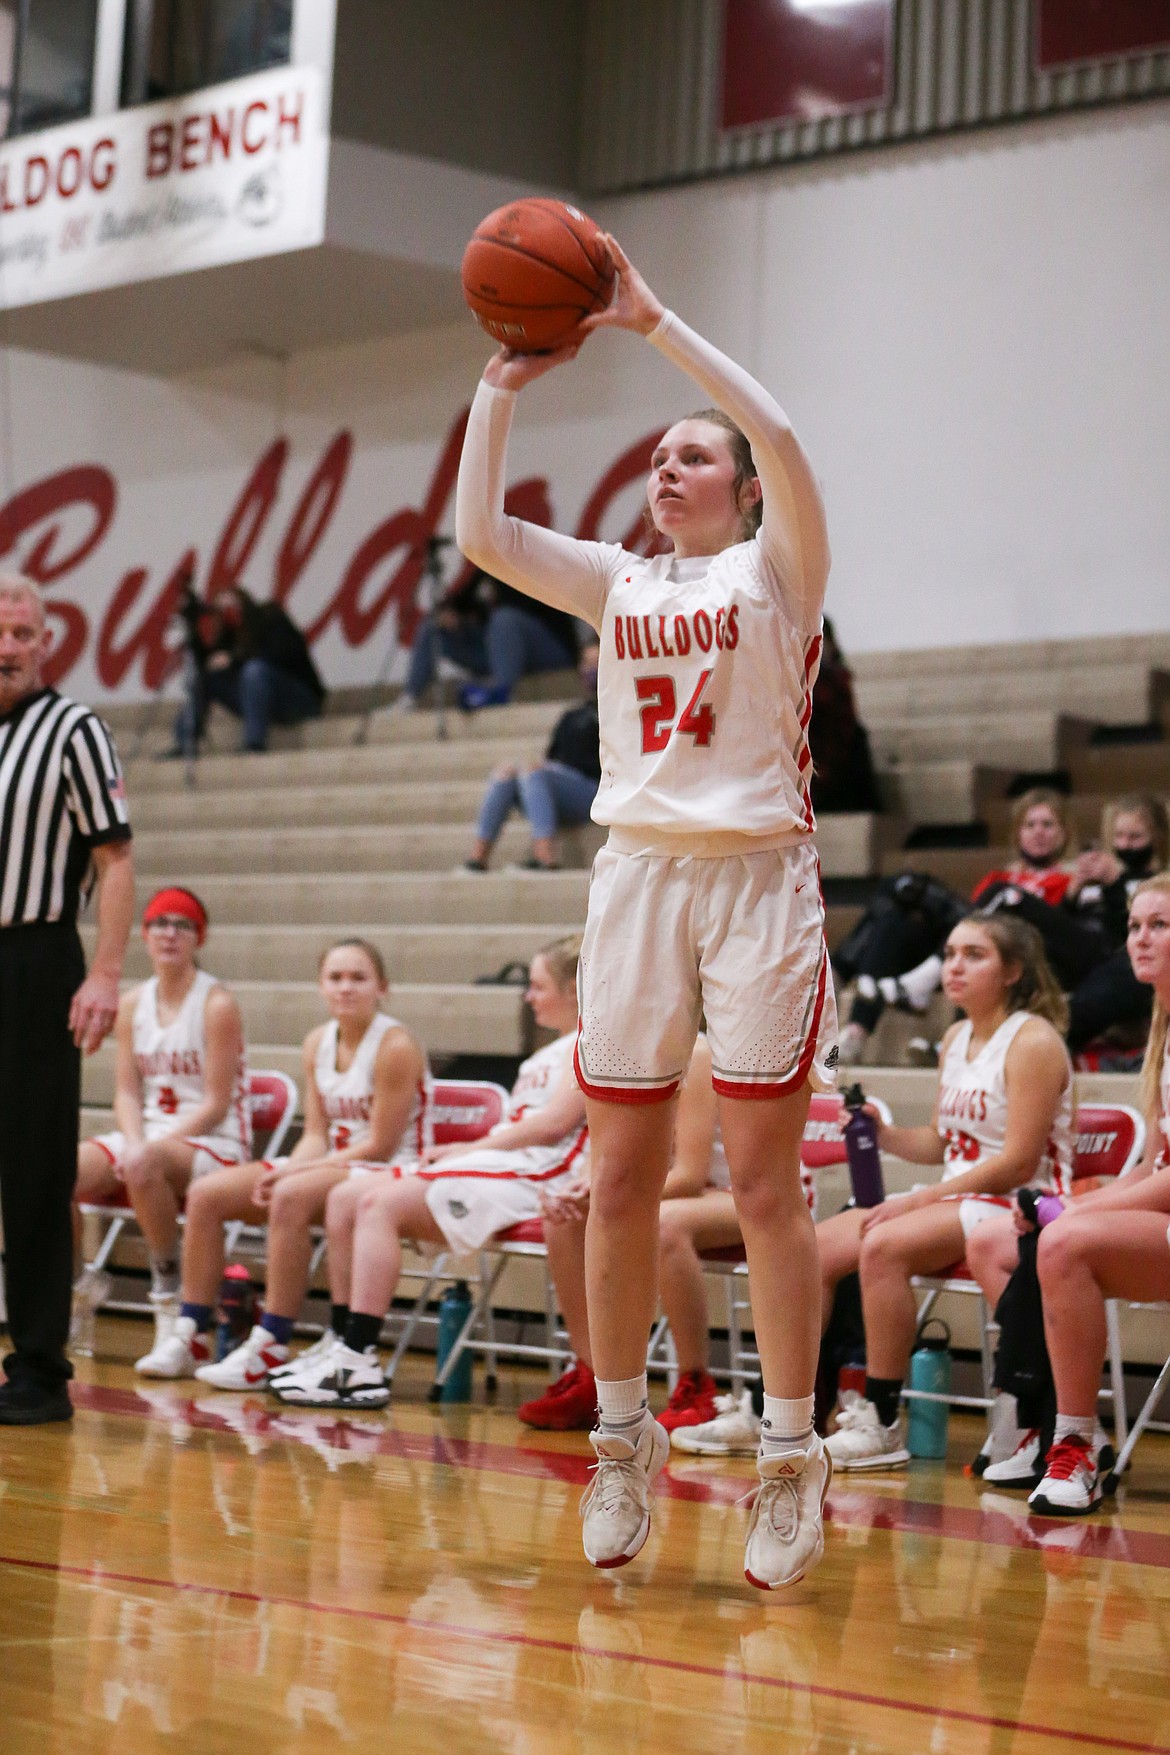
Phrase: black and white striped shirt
x=61 y=795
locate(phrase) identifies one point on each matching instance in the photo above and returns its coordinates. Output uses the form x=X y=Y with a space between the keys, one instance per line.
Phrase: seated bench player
x=180 y=1096
x=1003 y=1119
x=366 y=1101
x=462 y=1196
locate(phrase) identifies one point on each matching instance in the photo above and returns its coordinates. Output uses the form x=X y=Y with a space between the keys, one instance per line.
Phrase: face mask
x=1135 y=859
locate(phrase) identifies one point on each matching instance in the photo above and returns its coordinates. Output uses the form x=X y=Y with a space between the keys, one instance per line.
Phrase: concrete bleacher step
x=847 y=845
x=369 y=764
x=1029 y=657
x=1116 y=693
x=263 y=807
x=1108 y=769
x=429 y=898
x=425 y=953
x=339 y=730
x=1024 y=738
x=955 y=791
x=404 y=848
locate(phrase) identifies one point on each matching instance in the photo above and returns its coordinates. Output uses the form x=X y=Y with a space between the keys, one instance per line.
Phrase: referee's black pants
x=41 y=967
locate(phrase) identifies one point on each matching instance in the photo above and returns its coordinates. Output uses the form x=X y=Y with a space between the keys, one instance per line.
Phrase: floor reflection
x=216 y=1572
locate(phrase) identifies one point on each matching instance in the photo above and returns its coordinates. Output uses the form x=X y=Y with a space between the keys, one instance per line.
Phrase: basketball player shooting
x=706 y=897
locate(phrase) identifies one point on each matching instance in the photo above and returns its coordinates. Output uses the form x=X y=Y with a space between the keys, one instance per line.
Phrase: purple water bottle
x=861 y=1148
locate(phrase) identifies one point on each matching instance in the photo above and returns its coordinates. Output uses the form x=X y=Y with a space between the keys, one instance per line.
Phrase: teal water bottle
x=930 y=1369
x=454 y=1309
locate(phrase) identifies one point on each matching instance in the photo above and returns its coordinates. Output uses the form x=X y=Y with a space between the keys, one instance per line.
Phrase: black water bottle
x=861 y=1149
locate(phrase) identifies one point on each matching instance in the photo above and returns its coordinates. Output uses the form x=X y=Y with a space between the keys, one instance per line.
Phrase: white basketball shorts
x=484 y=1191
x=740 y=940
x=211 y=1153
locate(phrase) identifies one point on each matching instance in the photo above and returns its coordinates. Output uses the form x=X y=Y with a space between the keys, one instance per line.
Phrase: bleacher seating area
x=358 y=822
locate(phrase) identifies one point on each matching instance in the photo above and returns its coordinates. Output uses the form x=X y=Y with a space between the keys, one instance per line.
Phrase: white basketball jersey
x=347 y=1098
x=972 y=1108
x=539 y=1077
x=1162 y=1159
x=704 y=696
x=171 y=1062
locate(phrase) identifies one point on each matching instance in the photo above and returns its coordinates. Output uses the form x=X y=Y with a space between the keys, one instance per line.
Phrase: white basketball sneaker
x=338 y=1377
x=248 y=1366
x=735 y=1430
x=305 y=1361
x=1023 y=1468
x=615 y=1511
x=180 y=1352
x=862 y=1442
x=786 y=1535
x=1071 y=1486
x=313 y=1382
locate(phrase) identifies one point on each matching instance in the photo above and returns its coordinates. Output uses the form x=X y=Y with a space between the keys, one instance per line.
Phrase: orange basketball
x=533 y=269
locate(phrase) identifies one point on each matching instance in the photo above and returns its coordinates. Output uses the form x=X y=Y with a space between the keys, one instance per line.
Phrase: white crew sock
x=622 y=1405
x=787 y=1425
x=1075 y=1426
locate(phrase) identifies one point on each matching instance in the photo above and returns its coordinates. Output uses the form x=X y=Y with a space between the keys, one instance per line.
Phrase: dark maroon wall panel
x=795 y=60
x=1068 y=31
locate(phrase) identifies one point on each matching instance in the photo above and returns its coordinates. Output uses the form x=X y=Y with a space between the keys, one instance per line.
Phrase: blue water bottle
x=930 y=1369
x=454 y=1309
x=861 y=1149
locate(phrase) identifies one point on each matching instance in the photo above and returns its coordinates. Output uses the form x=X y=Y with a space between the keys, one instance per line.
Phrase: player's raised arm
x=559 y=570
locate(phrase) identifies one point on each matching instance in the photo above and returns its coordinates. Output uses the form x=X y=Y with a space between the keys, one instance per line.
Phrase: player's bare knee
x=1060 y=1247
x=618 y=1192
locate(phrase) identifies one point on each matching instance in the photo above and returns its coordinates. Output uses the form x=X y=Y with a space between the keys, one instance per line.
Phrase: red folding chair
x=462 y=1111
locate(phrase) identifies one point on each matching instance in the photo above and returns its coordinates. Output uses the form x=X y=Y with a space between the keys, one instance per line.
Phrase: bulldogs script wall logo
x=130 y=633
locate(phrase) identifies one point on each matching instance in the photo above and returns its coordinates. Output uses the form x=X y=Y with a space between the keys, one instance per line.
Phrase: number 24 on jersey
x=660 y=706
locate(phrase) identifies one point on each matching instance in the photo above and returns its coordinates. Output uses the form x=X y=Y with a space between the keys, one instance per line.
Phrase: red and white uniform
x=1049 y=883
x=487 y=1189
x=707 y=896
x=972 y=1118
x=347 y=1098
x=172 y=1060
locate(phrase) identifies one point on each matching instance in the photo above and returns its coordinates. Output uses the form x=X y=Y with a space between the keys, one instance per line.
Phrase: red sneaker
x=693 y=1402
x=568 y=1405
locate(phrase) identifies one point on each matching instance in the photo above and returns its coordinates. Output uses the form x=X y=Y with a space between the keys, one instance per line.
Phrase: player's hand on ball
x=507 y=370
x=633 y=305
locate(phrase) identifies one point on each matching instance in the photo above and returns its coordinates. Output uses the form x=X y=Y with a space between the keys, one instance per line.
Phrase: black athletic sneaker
x=29 y=1404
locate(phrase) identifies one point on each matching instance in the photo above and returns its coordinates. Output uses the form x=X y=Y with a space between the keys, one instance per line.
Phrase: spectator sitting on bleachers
x=842 y=778
x=1002 y=1118
x=557 y=791
x=894 y=951
x=1112 y=1244
x=180 y=1098
x=1084 y=935
x=497 y=634
x=253 y=659
x=461 y=1197
x=697 y=1212
x=366 y=1101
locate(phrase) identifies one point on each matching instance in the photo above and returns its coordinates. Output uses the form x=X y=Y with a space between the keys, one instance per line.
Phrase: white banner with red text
x=230 y=173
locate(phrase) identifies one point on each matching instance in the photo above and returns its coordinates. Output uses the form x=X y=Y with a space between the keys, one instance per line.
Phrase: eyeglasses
x=171 y=922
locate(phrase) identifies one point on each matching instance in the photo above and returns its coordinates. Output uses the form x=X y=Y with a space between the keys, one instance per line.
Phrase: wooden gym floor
x=209 y=1573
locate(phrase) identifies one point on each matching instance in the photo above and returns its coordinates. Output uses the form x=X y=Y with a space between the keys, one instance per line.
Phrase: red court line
x=1101 y=1539
x=98 y=1575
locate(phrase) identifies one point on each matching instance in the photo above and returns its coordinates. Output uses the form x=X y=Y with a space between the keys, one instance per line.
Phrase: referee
x=62 y=817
